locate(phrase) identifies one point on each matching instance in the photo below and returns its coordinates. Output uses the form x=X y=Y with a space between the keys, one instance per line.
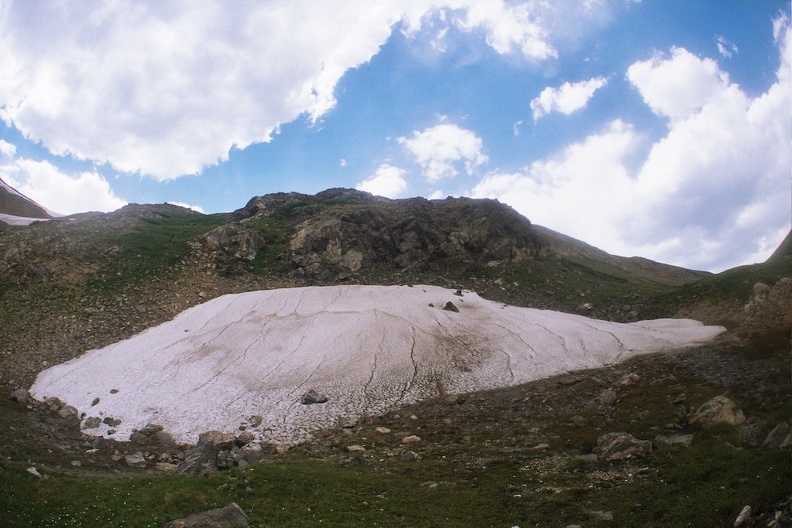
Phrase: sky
x=653 y=128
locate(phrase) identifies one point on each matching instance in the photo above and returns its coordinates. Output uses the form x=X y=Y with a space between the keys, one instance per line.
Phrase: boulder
x=619 y=446
x=200 y=460
x=230 y=516
x=217 y=439
x=719 y=409
x=607 y=397
x=21 y=396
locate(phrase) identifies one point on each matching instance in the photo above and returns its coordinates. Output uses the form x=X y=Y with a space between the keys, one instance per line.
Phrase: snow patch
x=367 y=348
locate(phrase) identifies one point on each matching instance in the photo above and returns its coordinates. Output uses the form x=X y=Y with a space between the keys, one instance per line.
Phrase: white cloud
x=567 y=98
x=6 y=149
x=196 y=208
x=440 y=149
x=510 y=27
x=387 y=181
x=44 y=183
x=712 y=193
x=167 y=89
x=678 y=86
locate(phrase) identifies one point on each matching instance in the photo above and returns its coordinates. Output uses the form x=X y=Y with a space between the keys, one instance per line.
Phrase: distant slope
x=18 y=209
x=784 y=249
x=560 y=245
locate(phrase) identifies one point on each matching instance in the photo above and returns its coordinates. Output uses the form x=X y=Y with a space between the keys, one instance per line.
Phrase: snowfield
x=367 y=349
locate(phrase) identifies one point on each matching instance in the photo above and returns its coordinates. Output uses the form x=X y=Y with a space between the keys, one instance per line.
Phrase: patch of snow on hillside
x=367 y=348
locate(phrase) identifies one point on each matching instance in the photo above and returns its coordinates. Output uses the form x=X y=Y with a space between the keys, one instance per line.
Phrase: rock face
x=230 y=247
x=719 y=409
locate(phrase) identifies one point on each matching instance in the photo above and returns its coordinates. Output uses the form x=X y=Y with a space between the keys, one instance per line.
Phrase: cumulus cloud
x=440 y=150
x=567 y=98
x=387 y=181
x=677 y=86
x=166 y=89
x=583 y=191
x=712 y=193
x=44 y=183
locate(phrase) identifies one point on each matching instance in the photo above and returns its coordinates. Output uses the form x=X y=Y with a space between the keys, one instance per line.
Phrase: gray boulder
x=779 y=437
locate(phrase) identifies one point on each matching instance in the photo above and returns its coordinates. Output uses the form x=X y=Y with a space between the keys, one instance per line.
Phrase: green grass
x=705 y=485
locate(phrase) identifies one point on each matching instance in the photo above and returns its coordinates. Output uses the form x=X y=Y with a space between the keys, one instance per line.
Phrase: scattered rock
x=245 y=438
x=166 y=467
x=311 y=397
x=411 y=439
x=779 y=437
x=348 y=422
x=95 y=402
x=409 y=456
x=382 y=430
x=618 y=446
x=570 y=380
x=630 y=379
x=662 y=441
x=450 y=307
x=35 y=472
x=200 y=460
x=256 y=420
x=719 y=409
x=540 y=447
x=112 y=422
x=743 y=518
x=607 y=397
x=135 y=460
x=231 y=516
x=92 y=422
x=217 y=439
x=21 y=396
x=67 y=411
x=600 y=515
x=356 y=448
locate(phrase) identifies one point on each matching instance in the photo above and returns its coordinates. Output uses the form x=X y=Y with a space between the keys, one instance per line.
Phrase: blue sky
x=652 y=128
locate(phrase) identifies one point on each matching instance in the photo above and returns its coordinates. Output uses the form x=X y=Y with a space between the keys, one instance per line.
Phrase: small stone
x=230 y=516
x=630 y=379
x=356 y=448
x=67 y=411
x=135 y=460
x=743 y=518
x=607 y=397
x=282 y=449
x=450 y=307
x=540 y=447
x=112 y=422
x=92 y=422
x=348 y=422
x=382 y=430
x=35 y=472
x=409 y=456
x=256 y=420
x=113 y=391
x=95 y=402
x=411 y=439
x=311 y=397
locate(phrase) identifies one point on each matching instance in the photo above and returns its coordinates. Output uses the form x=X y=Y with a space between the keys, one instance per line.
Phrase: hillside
x=18 y=209
x=518 y=455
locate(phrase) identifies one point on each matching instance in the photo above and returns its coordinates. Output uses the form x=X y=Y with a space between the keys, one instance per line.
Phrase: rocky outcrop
x=619 y=446
x=416 y=234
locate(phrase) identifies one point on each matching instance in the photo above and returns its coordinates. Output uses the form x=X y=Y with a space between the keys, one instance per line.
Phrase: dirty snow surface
x=367 y=349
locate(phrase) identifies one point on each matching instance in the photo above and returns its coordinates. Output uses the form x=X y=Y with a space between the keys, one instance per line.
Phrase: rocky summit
x=439 y=362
